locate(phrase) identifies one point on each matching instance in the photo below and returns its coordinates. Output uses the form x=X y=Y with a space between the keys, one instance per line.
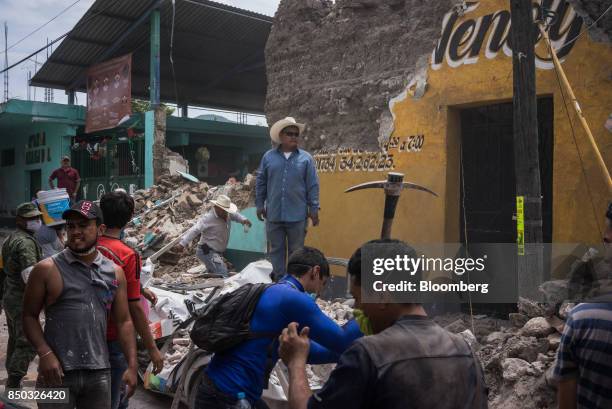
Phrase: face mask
x=33 y=225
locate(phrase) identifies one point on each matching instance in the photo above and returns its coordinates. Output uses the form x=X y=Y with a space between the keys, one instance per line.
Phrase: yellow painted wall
x=349 y=219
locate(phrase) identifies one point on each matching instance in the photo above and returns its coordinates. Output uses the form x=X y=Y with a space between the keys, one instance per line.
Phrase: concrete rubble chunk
x=555 y=291
x=518 y=320
x=516 y=368
x=470 y=338
x=537 y=327
x=554 y=340
x=530 y=308
x=194 y=201
x=565 y=309
x=496 y=337
x=526 y=348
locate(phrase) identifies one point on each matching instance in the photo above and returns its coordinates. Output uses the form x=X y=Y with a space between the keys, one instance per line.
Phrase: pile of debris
x=518 y=354
x=167 y=210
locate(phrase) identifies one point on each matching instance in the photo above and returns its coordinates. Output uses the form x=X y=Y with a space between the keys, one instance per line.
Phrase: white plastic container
x=52 y=204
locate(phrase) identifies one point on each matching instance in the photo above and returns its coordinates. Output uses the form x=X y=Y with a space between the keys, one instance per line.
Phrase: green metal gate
x=107 y=166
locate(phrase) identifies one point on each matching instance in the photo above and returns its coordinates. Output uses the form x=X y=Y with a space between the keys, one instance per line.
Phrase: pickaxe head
x=393 y=186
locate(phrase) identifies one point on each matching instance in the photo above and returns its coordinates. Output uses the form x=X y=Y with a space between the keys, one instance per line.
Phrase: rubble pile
x=517 y=354
x=170 y=207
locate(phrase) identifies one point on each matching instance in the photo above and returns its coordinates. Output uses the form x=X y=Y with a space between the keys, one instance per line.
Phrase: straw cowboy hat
x=278 y=126
x=225 y=203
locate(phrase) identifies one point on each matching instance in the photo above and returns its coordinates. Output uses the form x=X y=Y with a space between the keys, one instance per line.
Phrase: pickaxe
x=393 y=187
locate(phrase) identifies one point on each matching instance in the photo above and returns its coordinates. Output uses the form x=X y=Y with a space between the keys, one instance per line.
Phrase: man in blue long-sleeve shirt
x=287 y=193
x=243 y=368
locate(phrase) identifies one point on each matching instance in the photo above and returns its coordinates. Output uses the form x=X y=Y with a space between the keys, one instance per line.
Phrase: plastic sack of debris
x=169 y=312
x=254 y=273
x=146 y=273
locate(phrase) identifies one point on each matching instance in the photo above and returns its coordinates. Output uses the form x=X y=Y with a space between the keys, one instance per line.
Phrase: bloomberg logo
x=462 y=43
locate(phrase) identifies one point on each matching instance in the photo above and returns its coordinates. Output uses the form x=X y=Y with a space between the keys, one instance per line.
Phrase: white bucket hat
x=225 y=203
x=278 y=126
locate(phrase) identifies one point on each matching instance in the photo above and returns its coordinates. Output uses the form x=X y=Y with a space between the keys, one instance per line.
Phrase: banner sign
x=109 y=93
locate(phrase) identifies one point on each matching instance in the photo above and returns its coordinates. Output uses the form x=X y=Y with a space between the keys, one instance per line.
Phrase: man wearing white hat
x=287 y=193
x=214 y=230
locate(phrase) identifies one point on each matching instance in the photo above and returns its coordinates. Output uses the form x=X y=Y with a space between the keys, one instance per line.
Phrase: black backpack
x=225 y=322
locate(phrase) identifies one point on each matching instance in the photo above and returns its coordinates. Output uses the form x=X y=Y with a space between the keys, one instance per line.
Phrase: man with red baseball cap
x=79 y=288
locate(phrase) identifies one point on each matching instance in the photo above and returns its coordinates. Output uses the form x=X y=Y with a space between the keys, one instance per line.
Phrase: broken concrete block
x=544 y=358
x=526 y=348
x=554 y=340
x=470 y=338
x=193 y=200
x=565 y=309
x=170 y=258
x=530 y=308
x=557 y=323
x=537 y=327
x=496 y=337
x=515 y=368
x=555 y=291
x=518 y=320
x=539 y=367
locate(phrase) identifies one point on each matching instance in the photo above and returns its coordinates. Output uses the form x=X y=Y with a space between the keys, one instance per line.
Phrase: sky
x=25 y=16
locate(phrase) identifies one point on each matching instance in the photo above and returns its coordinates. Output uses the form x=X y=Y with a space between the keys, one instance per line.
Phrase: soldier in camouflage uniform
x=19 y=251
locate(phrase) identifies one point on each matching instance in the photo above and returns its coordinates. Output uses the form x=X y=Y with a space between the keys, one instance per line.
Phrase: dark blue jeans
x=209 y=397
x=118 y=367
x=88 y=389
x=283 y=239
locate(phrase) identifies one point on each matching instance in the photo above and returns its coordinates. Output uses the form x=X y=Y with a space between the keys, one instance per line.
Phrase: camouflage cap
x=28 y=209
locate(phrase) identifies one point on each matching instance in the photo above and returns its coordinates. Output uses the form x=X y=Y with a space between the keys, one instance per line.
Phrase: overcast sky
x=25 y=16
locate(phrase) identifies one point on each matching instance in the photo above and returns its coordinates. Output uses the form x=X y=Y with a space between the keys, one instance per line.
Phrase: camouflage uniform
x=19 y=251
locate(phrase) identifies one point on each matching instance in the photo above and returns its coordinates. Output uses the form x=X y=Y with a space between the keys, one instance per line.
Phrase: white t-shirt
x=287 y=154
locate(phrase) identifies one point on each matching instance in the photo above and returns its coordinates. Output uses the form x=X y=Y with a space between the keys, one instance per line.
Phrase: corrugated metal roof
x=218 y=52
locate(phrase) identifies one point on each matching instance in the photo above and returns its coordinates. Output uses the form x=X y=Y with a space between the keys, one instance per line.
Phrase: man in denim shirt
x=287 y=193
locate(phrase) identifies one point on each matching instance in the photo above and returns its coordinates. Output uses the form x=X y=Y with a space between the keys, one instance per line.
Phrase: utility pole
x=6 y=74
x=530 y=261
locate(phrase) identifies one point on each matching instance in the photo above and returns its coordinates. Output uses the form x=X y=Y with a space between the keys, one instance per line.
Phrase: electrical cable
x=589 y=27
x=586 y=180
x=79 y=24
x=39 y=28
x=465 y=235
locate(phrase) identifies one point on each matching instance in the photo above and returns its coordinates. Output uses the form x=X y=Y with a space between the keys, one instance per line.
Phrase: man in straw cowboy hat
x=214 y=230
x=287 y=193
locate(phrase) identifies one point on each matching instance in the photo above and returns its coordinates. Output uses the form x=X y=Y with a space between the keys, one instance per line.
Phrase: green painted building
x=35 y=135
x=33 y=138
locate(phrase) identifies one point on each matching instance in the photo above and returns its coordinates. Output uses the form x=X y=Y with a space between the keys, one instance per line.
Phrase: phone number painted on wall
x=356 y=160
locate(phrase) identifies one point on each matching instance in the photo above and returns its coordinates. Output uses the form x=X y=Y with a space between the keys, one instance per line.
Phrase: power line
x=588 y=28
x=60 y=37
x=582 y=167
x=41 y=27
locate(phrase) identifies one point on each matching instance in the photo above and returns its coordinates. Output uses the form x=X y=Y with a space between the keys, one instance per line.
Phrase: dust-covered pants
x=213 y=261
x=87 y=389
x=19 y=351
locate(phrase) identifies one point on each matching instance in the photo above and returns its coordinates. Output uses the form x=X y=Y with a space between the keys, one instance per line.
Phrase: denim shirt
x=287 y=188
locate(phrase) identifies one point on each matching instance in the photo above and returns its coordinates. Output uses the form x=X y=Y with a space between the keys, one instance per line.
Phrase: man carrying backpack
x=244 y=368
x=409 y=362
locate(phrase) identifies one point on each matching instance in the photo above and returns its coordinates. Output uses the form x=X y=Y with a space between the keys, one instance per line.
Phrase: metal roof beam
x=109 y=51
x=68 y=63
x=88 y=41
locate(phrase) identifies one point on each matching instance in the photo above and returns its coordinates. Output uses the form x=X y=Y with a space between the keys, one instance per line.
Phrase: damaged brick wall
x=336 y=66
